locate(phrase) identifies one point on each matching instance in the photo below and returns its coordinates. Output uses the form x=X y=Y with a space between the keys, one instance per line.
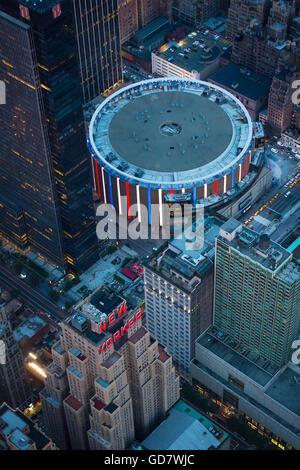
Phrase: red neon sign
x=56 y=11
x=24 y=12
x=124 y=329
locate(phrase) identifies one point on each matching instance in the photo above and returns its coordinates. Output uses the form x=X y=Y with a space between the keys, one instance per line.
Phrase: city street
x=30 y=295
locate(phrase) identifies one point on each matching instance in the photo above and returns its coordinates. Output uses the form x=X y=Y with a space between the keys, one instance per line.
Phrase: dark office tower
x=99 y=45
x=45 y=192
x=13 y=388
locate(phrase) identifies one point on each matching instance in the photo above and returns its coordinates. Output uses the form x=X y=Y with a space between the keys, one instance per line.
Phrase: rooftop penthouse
x=260 y=249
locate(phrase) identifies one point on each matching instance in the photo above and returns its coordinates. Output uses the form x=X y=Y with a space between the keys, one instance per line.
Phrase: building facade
x=97 y=32
x=46 y=195
x=280 y=103
x=129 y=20
x=196 y=12
x=243 y=362
x=20 y=433
x=257 y=289
x=179 y=293
x=252 y=89
x=240 y=14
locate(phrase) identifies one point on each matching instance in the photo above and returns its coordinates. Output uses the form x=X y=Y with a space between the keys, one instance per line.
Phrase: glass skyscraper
x=45 y=182
x=99 y=45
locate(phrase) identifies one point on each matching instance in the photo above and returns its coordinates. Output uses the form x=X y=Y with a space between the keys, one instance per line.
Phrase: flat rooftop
x=240 y=80
x=163 y=355
x=139 y=334
x=20 y=440
x=251 y=365
x=111 y=360
x=170 y=123
x=286 y=390
x=21 y=429
x=73 y=402
x=29 y=328
x=152 y=29
x=185 y=429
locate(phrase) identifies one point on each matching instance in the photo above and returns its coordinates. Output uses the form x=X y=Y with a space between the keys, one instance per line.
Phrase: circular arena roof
x=164 y=132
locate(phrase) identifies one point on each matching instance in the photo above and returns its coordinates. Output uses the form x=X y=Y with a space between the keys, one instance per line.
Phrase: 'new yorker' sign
x=111 y=319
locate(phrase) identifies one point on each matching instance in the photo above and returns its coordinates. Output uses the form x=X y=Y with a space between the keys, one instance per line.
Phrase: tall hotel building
x=104 y=401
x=45 y=192
x=179 y=295
x=257 y=293
x=99 y=45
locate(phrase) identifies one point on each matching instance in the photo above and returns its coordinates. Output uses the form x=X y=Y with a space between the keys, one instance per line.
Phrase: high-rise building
x=110 y=382
x=257 y=293
x=20 y=433
x=129 y=20
x=240 y=14
x=14 y=389
x=179 y=295
x=99 y=46
x=45 y=191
